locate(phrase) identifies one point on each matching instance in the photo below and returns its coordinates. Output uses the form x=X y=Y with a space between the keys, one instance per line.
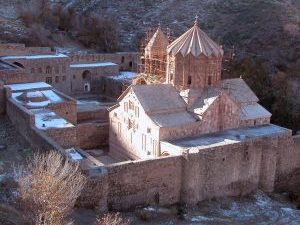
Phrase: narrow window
x=189 y=80
x=63 y=68
x=56 y=79
x=56 y=69
x=125 y=106
x=64 y=78
x=123 y=59
x=137 y=111
x=48 y=70
x=130 y=64
x=149 y=130
x=131 y=105
x=40 y=70
x=209 y=80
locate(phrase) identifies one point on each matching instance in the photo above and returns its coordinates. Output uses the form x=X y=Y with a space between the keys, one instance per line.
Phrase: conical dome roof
x=158 y=41
x=195 y=42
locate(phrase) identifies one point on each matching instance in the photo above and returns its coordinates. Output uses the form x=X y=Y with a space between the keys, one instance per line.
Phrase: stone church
x=193 y=100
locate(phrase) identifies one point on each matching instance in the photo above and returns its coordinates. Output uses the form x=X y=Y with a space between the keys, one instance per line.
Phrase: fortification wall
x=20 y=117
x=144 y=182
x=12 y=49
x=229 y=170
x=92 y=135
x=126 y=60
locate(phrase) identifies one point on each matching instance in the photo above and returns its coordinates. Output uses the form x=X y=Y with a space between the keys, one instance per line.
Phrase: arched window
x=86 y=75
x=130 y=64
x=122 y=59
x=48 y=70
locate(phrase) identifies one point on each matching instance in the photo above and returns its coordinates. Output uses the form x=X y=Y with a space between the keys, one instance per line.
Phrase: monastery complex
x=158 y=128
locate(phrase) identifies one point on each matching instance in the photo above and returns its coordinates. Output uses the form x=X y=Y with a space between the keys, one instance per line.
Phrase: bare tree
x=112 y=219
x=48 y=188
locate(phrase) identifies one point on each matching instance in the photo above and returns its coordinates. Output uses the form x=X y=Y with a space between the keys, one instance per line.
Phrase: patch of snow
x=45 y=120
x=35 y=57
x=73 y=154
x=38 y=104
x=34 y=94
x=124 y=75
x=89 y=65
x=52 y=96
x=28 y=86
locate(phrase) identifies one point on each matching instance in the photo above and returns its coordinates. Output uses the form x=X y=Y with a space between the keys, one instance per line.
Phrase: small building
x=87 y=76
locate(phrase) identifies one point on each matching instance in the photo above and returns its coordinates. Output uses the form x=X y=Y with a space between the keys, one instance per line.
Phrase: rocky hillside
x=264 y=33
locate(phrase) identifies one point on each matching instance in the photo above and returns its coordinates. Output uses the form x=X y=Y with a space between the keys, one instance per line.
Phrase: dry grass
x=112 y=219
x=48 y=188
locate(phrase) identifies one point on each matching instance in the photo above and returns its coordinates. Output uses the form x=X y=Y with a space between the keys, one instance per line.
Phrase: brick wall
x=92 y=135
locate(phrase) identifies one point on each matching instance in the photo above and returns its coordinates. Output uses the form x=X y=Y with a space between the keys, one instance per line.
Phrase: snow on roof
x=254 y=111
x=207 y=98
x=52 y=96
x=28 y=86
x=49 y=97
x=45 y=119
x=89 y=65
x=172 y=119
x=28 y=57
x=124 y=75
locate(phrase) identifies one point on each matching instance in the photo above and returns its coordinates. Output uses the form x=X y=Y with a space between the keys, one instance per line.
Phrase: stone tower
x=194 y=61
x=156 y=55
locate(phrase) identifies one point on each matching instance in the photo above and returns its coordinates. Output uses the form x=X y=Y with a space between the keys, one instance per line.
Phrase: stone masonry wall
x=92 y=135
x=230 y=170
x=66 y=137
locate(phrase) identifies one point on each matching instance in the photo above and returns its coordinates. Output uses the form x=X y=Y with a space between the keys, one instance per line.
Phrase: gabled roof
x=172 y=119
x=195 y=42
x=156 y=98
x=158 y=42
x=254 y=111
x=207 y=98
x=239 y=91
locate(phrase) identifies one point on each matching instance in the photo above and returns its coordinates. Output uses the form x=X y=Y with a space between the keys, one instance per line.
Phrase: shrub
x=48 y=188
x=112 y=219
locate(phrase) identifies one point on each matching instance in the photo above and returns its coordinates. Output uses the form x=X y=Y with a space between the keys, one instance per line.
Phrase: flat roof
x=35 y=56
x=228 y=137
x=45 y=119
x=28 y=86
x=89 y=65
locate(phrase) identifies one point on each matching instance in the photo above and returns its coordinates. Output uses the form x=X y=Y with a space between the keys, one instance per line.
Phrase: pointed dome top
x=158 y=41
x=196 y=42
